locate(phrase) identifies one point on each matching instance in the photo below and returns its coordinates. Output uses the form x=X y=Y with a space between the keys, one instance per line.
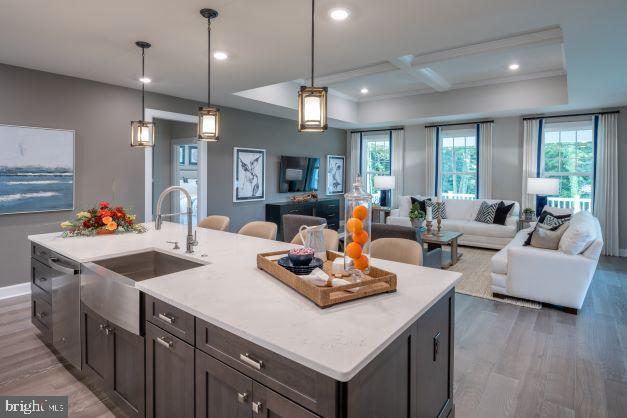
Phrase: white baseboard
x=15 y=290
x=622 y=252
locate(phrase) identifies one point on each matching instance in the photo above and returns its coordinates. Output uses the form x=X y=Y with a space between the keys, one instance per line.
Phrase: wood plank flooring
x=510 y=361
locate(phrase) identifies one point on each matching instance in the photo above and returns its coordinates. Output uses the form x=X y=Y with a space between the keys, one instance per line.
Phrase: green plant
x=529 y=210
x=415 y=212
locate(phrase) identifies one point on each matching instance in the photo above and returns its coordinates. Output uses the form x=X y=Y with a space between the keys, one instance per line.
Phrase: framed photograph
x=36 y=169
x=335 y=174
x=193 y=155
x=249 y=174
x=181 y=154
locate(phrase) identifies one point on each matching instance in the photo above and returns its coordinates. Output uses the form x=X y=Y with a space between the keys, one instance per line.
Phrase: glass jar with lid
x=358 y=215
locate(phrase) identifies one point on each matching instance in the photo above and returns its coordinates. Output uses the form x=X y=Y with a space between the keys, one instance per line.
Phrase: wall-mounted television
x=299 y=174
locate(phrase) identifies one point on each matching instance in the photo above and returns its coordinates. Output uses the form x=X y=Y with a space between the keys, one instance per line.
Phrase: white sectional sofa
x=549 y=276
x=461 y=218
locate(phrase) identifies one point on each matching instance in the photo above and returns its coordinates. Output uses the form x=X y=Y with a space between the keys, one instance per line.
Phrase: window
x=459 y=163
x=569 y=156
x=376 y=160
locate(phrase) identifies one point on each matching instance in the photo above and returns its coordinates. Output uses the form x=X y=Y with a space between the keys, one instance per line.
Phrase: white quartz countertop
x=232 y=293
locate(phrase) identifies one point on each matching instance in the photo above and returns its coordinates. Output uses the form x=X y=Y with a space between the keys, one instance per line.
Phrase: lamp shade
x=543 y=186
x=312 y=109
x=385 y=182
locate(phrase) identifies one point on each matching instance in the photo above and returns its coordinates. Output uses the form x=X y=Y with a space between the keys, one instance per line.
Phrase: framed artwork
x=249 y=174
x=181 y=154
x=193 y=155
x=335 y=174
x=36 y=169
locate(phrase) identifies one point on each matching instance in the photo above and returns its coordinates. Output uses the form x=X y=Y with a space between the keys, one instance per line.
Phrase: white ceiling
x=268 y=42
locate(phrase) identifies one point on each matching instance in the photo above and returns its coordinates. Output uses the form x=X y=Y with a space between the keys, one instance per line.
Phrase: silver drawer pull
x=164 y=342
x=53 y=262
x=257 y=407
x=242 y=397
x=166 y=318
x=257 y=364
x=42 y=279
x=41 y=315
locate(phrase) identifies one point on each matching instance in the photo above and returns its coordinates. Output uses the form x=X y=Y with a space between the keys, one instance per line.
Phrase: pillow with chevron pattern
x=437 y=208
x=486 y=212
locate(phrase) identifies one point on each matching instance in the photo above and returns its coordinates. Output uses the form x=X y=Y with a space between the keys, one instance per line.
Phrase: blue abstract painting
x=36 y=169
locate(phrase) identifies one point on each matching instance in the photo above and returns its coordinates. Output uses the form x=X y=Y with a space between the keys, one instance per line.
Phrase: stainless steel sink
x=108 y=285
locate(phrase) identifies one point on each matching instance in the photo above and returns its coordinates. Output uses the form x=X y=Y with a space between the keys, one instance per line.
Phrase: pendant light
x=142 y=132
x=209 y=116
x=312 y=101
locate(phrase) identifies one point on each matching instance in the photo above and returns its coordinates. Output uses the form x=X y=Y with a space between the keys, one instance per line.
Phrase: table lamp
x=542 y=187
x=386 y=184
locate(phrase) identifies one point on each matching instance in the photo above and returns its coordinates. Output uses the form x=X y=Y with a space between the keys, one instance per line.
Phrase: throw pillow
x=486 y=212
x=437 y=209
x=581 y=233
x=502 y=212
x=546 y=213
x=538 y=226
x=421 y=202
x=551 y=221
x=548 y=238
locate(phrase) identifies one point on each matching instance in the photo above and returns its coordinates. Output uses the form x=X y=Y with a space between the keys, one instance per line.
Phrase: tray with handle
x=376 y=282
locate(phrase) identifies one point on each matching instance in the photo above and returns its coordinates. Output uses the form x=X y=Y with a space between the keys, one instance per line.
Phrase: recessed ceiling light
x=364 y=90
x=514 y=67
x=145 y=80
x=220 y=55
x=339 y=14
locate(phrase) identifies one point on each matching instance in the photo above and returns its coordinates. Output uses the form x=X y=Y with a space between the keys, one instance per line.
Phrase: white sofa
x=549 y=276
x=461 y=218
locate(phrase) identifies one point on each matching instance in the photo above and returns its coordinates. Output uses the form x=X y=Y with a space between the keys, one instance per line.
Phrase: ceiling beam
x=379 y=68
x=424 y=75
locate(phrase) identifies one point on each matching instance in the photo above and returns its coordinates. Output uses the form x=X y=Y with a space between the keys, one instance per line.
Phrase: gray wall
x=107 y=168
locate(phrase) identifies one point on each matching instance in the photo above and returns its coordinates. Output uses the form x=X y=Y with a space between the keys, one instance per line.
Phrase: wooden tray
x=377 y=281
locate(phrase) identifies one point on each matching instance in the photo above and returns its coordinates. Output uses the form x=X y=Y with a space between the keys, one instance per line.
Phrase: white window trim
x=456 y=133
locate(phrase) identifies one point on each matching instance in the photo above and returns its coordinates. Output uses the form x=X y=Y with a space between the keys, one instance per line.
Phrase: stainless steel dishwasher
x=66 y=325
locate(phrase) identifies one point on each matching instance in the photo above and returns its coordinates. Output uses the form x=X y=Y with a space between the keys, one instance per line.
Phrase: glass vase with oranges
x=357 y=241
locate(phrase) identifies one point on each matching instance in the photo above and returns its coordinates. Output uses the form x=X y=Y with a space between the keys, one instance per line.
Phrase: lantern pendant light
x=142 y=132
x=209 y=116
x=312 y=101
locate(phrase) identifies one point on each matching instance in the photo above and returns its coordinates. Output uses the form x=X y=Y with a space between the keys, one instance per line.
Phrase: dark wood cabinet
x=220 y=390
x=267 y=403
x=327 y=208
x=115 y=357
x=169 y=375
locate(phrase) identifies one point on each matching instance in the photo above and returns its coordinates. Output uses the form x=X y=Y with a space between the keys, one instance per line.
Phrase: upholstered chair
x=397 y=249
x=331 y=239
x=259 y=229
x=430 y=258
x=292 y=223
x=217 y=222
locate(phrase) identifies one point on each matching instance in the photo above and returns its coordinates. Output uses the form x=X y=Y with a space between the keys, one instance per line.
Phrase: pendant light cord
x=313 y=9
x=209 y=62
x=143 y=83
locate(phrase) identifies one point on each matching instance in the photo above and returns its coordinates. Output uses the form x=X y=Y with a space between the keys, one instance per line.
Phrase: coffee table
x=449 y=258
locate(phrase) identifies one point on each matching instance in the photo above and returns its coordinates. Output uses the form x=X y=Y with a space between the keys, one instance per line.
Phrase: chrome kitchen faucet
x=191 y=238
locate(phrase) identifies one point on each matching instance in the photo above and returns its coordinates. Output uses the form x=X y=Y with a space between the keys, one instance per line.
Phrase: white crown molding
x=543 y=37
x=7 y=292
x=382 y=67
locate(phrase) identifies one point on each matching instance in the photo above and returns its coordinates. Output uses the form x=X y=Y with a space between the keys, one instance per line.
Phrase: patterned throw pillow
x=437 y=209
x=551 y=221
x=486 y=212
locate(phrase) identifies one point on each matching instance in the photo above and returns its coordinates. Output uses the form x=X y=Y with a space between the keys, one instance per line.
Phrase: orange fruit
x=353 y=250
x=360 y=237
x=360 y=212
x=354 y=225
x=361 y=263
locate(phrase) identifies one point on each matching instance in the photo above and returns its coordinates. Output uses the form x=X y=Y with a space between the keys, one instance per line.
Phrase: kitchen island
x=244 y=343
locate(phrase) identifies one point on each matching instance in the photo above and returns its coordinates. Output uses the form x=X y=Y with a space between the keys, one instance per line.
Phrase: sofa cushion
x=404 y=205
x=502 y=212
x=438 y=209
x=487 y=212
x=488 y=230
x=557 y=211
x=553 y=214
x=580 y=233
x=548 y=238
x=421 y=202
x=499 y=260
x=460 y=209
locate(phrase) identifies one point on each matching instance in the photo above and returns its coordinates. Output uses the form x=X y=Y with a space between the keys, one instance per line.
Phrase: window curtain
x=484 y=163
x=398 y=162
x=532 y=158
x=605 y=198
x=353 y=149
x=433 y=166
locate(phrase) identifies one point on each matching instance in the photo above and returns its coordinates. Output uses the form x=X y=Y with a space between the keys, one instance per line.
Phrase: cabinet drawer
x=171 y=319
x=304 y=386
x=41 y=313
x=40 y=253
x=41 y=275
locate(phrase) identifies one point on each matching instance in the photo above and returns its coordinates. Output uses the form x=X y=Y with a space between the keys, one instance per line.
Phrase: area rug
x=475 y=269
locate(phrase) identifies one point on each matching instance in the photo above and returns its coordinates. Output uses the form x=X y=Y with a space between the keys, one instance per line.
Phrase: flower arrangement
x=101 y=220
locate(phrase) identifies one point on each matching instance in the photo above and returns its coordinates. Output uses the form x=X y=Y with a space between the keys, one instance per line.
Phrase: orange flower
x=107 y=220
x=104 y=204
x=112 y=226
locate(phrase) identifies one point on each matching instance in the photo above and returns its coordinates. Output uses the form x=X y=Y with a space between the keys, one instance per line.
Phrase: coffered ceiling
x=440 y=49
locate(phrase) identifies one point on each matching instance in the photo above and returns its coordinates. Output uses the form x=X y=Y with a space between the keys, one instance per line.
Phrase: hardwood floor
x=510 y=361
